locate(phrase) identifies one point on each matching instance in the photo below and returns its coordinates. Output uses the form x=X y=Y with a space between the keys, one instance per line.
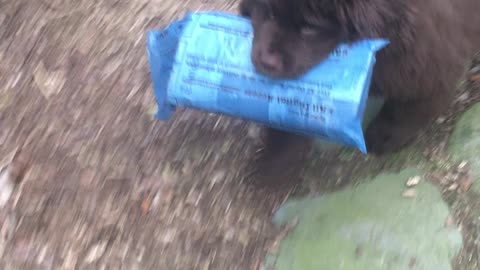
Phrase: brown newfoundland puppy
x=430 y=42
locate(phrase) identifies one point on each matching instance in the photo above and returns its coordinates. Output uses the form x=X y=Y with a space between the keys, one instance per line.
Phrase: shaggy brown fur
x=430 y=42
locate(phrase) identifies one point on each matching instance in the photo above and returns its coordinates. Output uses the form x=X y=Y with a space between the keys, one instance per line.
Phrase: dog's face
x=290 y=37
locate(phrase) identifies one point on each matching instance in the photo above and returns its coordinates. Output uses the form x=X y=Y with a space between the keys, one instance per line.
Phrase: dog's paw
x=279 y=160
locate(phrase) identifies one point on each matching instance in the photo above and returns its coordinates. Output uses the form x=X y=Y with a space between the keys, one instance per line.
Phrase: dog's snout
x=271 y=60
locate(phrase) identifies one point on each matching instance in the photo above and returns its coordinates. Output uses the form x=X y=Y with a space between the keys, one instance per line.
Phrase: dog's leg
x=399 y=122
x=281 y=159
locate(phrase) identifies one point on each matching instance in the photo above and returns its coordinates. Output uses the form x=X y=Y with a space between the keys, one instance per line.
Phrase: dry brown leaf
x=449 y=222
x=5 y=100
x=466 y=182
x=412 y=262
x=358 y=251
x=475 y=78
x=146 y=203
x=18 y=167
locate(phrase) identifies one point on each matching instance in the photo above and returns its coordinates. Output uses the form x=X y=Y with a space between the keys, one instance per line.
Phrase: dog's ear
x=245 y=7
x=369 y=18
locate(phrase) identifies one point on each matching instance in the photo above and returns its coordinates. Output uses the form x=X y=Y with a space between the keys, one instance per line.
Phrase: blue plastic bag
x=203 y=62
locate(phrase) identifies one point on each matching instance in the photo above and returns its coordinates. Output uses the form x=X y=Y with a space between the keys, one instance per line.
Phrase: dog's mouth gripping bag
x=203 y=62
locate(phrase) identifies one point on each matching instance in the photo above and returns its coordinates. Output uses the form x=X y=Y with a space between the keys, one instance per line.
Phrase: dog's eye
x=265 y=11
x=270 y=15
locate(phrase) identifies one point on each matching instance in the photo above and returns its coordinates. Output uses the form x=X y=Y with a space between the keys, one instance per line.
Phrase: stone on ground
x=371 y=226
x=464 y=144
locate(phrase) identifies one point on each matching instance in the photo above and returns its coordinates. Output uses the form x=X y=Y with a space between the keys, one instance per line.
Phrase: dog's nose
x=271 y=60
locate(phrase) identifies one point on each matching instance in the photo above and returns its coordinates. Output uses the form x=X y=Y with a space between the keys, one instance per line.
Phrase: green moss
x=370 y=226
x=464 y=143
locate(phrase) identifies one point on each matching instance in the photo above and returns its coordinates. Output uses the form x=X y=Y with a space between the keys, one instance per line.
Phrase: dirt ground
x=102 y=184
x=98 y=182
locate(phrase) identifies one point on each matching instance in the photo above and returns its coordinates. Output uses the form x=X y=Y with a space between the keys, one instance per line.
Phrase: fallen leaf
x=6 y=186
x=96 y=251
x=49 y=83
x=243 y=238
x=5 y=100
x=168 y=236
x=410 y=193
x=358 y=251
x=413 y=181
x=475 y=69
x=449 y=222
x=152 y=109
x=453 y=187
x=466 y=182
x=462 y=165
x=206 y=266
x=228 y=236
x=12 y=169
x=463 y=97
x=146 y=203
x=475 y=78
x=18 y=168
x=412 y=263
x=441 y=120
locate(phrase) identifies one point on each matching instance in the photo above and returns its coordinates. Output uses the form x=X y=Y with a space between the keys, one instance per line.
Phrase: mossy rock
x=370 y=226
x=464 y=143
